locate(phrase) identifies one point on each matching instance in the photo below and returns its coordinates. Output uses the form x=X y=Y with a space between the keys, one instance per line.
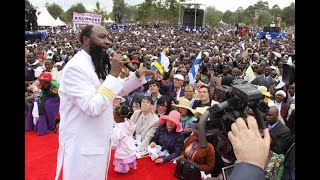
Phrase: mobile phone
x=226 y=171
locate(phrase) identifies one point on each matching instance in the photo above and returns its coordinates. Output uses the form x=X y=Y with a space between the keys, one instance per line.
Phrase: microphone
x=110 y=52
x=225 y=104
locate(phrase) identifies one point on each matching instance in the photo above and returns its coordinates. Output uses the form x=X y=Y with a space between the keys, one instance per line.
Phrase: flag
x=161 y=64
x=250 y=76
x=194 y=68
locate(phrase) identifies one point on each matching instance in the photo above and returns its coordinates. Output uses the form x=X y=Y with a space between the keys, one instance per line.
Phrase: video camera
x=238 y=97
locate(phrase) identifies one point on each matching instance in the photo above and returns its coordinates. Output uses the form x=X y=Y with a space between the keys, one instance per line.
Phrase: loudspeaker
x=271 y=29
x=189 y=16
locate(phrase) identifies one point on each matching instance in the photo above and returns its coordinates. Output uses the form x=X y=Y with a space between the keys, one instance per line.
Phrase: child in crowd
x=122 y=141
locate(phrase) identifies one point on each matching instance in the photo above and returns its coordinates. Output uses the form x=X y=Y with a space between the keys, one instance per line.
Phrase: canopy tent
x=58 y=22
x=45 y=18
x=109 y=21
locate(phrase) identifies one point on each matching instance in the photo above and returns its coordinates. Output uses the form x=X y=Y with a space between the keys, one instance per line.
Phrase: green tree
x=275 y=10
x=213 y=16
x=98 y=10
x=144 y=11
x=54 y=9
x=261 y=5
x=79 y=8
x=131 y=12
x=239 y=15
x=266 y=18
x=227 y=17
x=118 y=7
x=288 y=14
x=251 y=12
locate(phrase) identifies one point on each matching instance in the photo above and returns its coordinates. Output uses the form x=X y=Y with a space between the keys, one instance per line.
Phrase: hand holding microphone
x=127 y=63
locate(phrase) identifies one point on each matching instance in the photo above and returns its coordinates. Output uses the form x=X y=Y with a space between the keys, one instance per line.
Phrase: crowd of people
x=92 y=100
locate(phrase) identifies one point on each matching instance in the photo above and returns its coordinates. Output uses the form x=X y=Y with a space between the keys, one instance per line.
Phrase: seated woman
x=42 y=117
x=169 y=136
x=204 y=157
x=187 y=115
x=163 y=105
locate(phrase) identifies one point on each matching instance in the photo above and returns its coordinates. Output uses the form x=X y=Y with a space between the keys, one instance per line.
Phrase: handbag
x=187 y=170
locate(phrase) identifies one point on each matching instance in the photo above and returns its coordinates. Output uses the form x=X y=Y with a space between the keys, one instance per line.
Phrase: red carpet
x=41 y=159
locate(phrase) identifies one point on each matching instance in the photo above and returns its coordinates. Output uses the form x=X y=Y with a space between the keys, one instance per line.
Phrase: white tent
x=108 y=21
x=58 y=22
x=45 y=18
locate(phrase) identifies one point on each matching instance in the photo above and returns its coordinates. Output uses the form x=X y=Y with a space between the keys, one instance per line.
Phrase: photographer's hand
x=248 y=145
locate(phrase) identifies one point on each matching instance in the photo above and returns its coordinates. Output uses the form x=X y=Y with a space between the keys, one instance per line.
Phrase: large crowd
x=165 y=111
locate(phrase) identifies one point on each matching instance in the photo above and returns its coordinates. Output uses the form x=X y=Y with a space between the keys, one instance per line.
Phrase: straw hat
x=184 y=103
x=199 y=111
x=264 y=91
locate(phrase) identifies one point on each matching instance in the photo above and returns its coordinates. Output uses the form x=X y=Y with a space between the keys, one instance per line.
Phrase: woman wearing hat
x=169 y=136
x=187 y=115
x=43 y=113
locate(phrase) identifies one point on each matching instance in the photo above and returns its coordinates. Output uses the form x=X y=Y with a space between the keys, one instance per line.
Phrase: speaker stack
x=189 y=17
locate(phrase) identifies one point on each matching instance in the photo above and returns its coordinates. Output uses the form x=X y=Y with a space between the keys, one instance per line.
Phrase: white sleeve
x=76 y=84
x=131 y=83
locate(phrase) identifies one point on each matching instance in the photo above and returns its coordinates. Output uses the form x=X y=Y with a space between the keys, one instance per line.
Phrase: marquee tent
x=109 y=21
x=45 y=18
x=58 y=22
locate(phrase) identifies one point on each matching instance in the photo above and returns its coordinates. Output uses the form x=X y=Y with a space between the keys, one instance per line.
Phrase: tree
x=145 y=11
x=227 y=17
x=118 y=10
x=261 y=5
x=132 y=13
x=98 y=10
x=79 y=8
x=275 y=10
x=213 y=16
x=238 y=15
x=54 y=9
x=288 y=14
x=266 y=18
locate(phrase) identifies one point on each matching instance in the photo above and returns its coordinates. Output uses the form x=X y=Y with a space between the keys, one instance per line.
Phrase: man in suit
x=173 y=90
x=265 y=79
x=279 y=132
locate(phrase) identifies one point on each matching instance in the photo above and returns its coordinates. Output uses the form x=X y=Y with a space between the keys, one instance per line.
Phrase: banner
x=86 y=18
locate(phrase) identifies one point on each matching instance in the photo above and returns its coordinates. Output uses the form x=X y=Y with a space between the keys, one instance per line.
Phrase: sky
x=222 y=5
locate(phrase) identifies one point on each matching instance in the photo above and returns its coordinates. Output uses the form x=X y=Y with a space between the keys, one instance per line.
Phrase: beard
x=100 y=60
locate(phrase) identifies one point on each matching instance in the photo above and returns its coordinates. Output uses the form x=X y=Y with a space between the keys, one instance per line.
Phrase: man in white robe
x=86 y=110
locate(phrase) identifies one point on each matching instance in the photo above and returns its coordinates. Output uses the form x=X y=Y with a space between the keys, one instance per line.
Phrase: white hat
x=49 y=54
x=120 y=97
x=179 y=76
x=281 y=92
x=206 y=53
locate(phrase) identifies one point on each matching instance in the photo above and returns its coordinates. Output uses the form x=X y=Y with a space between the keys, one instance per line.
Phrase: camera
x=234 y=101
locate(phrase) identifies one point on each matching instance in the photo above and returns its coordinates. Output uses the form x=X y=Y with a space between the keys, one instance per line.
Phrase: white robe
x=87 y=119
